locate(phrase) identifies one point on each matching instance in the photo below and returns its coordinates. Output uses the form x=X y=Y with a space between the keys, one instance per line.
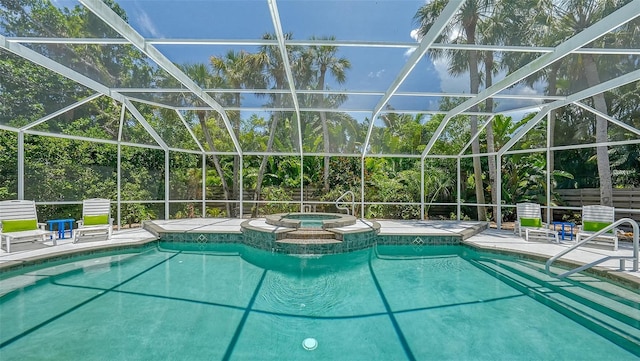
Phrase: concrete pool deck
x=475 y=234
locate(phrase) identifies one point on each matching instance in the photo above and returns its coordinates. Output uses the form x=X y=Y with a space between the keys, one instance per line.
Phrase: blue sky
x=372 y=69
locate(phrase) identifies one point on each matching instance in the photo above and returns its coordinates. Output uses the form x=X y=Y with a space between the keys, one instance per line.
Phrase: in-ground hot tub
x=310 y=220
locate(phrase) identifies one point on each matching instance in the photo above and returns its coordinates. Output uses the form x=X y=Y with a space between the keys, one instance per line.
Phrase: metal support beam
x=204 y=185
x=21 y=165
x=609 y=118
x=498 y=216
x=549 y=171
x=193 y=136
x=277 y=26
x=474 y=136
x=152 y=132
x=362 y=180
x=56 y=67
x=422 y=194
x=573 y=98
x=102 y=11
x=61 y=111
x=119 y=161
x=438 y=26
x=459 y=190
x=167 y=185
x=612 y=21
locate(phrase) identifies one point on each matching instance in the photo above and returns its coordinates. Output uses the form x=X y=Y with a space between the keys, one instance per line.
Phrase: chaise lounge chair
x=530 y=222
x=594 y=219
x=19 y=222
x=96 y=219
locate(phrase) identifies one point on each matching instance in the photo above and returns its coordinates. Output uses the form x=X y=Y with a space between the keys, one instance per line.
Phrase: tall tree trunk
x=474 y=82
x=325 y=129
x=202 y=117
x=602 y=152
x=325 y=141
x=236 y=164
x=493 y=171
x=263 y=163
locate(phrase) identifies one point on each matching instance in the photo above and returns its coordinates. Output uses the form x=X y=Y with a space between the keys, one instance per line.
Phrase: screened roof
x=349 y=61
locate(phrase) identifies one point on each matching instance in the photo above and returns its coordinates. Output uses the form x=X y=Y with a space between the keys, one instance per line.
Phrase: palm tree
x=462 y=29
x=323 y=58
x=560 y=21
x=274 y=70
x=239 y=70
x=503 y=27
x=578 y=15
x=201 y=74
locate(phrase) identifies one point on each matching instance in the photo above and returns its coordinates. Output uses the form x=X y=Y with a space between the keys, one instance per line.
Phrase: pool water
x=311 y=220
x=311 y=216
x=236 y=303
x=310 y=223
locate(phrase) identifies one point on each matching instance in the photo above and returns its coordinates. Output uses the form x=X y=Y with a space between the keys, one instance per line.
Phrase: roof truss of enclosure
x=387 y=73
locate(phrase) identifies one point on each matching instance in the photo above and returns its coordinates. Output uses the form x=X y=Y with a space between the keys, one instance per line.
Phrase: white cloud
x=147 y=27
x=448 y=83
x=377 y=74
x=415 y=35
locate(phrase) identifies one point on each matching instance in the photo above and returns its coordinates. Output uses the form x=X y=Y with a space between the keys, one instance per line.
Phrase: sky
x=372 y=69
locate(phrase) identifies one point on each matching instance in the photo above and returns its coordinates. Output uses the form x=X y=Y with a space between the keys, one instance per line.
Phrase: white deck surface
x=487 y=239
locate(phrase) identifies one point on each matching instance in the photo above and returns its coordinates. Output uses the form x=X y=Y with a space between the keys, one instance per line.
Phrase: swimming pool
x=237 y=303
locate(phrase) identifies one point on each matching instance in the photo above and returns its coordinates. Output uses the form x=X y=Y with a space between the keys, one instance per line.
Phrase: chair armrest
x=42 y=226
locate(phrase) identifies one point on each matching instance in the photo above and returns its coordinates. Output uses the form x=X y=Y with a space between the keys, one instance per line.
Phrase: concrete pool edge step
x=619 y=332
x=308 y=241
x=619 y=305
x=307 y=234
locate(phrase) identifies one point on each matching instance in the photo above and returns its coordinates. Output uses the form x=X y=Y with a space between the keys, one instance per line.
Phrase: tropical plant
x=463 y=28
x=323 y=59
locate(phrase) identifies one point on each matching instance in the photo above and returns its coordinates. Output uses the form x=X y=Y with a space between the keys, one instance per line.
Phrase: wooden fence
x=626 y=198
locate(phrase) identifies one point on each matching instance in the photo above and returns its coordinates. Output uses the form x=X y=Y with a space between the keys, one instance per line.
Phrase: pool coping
x=631 y=280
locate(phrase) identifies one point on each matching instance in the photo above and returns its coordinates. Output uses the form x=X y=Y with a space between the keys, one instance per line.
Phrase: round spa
x=312 y=233
x=315 y=220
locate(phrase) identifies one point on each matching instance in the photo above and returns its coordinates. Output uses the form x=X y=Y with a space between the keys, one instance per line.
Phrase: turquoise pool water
x=236 y=303
x=311 y=220
x=311 y=216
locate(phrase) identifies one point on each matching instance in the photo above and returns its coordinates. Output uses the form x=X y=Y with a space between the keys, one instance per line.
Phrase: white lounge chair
x=529 y=221
x=594 y=219
x=19 y=222
x=96 y=219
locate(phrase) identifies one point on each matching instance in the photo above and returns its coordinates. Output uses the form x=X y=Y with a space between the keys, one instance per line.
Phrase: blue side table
x=61 y=226
x=562 y=225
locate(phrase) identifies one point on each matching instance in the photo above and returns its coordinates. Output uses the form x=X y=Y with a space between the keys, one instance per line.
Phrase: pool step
x=613 y=300
x=618 y=302
x=308 y=241
x=615 y=320
x=310 y=234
